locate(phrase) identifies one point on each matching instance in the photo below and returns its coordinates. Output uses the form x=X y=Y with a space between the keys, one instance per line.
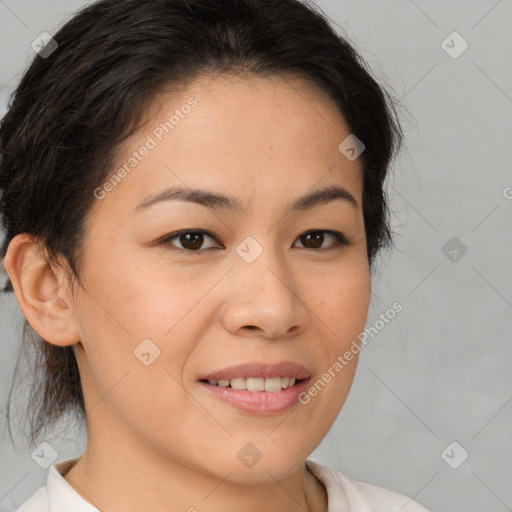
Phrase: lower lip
x=261 y=402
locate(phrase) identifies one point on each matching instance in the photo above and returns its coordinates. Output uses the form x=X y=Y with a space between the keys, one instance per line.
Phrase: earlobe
x=45 y=304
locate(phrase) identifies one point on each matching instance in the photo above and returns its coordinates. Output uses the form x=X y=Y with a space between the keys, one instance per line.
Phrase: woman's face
x=157 y=315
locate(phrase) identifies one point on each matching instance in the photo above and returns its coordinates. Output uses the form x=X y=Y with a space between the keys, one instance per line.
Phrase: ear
x=41 y=291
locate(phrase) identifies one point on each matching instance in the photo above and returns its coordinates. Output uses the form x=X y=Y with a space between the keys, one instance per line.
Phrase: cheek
x=128 y=316
x=341 y=304
x=133 y=298
x=137 y=378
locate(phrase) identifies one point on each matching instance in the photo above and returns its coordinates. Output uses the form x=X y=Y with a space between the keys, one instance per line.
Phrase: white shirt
x=344 y=493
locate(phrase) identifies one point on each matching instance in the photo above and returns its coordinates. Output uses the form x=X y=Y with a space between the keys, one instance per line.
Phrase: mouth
x=258 y=388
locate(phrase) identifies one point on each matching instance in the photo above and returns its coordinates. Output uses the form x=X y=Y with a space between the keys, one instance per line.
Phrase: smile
x=260 y=401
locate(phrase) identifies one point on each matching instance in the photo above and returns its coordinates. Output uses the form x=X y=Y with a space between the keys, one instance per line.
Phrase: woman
x=193 y=199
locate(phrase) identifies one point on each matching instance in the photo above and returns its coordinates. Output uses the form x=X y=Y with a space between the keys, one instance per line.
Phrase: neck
x=113 y=477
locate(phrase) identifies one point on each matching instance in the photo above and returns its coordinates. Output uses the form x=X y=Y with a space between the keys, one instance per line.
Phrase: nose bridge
x=263 y=289
x=264 y=267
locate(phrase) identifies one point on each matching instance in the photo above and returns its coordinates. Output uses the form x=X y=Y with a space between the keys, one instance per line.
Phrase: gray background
x=440 y=371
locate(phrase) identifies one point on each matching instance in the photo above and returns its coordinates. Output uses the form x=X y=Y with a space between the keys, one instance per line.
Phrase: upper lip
x=254 y=369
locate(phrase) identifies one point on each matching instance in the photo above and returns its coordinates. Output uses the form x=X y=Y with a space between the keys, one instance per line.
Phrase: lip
x=259 y=402
x=254 y=369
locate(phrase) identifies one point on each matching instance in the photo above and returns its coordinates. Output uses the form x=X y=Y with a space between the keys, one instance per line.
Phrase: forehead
x=255 y=136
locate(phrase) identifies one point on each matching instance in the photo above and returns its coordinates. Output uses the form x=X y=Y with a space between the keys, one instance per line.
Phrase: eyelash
x=341 y=240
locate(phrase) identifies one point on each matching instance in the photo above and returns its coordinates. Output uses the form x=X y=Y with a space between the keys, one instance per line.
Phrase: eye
x=192 y=240
x=316 y=239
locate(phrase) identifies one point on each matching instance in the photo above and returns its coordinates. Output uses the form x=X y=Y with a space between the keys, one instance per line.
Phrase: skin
x=156 y=440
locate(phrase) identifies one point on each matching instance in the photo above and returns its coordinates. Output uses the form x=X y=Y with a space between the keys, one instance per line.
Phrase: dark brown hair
x=74 y=107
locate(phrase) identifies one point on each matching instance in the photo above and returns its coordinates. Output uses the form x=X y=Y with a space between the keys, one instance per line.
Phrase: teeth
x=270 y=385
x=238 y=383
x=254 y=384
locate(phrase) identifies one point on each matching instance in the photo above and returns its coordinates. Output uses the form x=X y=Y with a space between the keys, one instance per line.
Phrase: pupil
x=318 y=236
x=196 y=236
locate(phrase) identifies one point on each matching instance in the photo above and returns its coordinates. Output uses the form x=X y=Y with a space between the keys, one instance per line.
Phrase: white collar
x=62 y=497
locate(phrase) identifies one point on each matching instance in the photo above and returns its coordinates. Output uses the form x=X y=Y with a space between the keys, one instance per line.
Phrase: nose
x=263 y=299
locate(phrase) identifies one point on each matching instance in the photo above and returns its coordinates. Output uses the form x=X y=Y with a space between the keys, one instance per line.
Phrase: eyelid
x=341 y=239
x=167 y=239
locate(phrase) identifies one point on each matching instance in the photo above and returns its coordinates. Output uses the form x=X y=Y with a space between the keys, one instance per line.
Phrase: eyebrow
x=217 y=201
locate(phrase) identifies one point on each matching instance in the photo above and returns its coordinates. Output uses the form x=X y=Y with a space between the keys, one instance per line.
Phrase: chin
x=256 y=467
